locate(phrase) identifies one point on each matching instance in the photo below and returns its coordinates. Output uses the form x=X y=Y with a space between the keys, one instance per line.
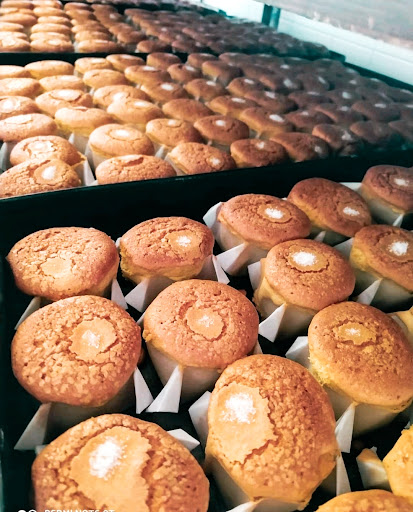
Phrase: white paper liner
x=372 y=472
x=160 y=150
x=79 y=141
x=342 y=481
x=328 y=237
x=5 y=151
x=364 y=417
x=381 y=293
x=146 y=291
x=183 y=437
x=116 y=295
x=94 y=158
x=353 y=185
x=179 y=172
x=143 y=396
x=345 y=247
x=33 y=306
x=199 y=416
x=35 y=432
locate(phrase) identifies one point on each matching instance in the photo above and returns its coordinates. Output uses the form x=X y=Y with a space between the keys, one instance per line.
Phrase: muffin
x=302 y=146
x=134 y=111
x=202 y=326
x=264 y=123
x=304 y=274
x=43 y=68
x=339 y=114
x=127 y=168
x=121 y=61
x=194 y=158
x=113 y=140
x=168 y=133
x=220 y=71
x=51 y=44
x=141 y=75
x=230 y=105
x=96 y=458
x=27 y=87
x=16 y=128
x=16 y=105
x=404 y=129
x=183 y=73
x=331 y=207
x=10 y=71
x=186 y=110
x=376 y=135
x=104 y=96
x=197 y=59
x=45 y=147
x=375 y=500
x=56 y=263
x=397 y=464
x=257 y=153
x=81 y=121
x=99 y=46
x=151 y=46
x=388 y=190
x=204 y=90
x=88 y=63
x=173 y=247
x=340 y=139
x=34 y=176
x=163 y=92
x=305 y=120
x=254 y=399
x=221 y=131
x=50 y=83
x=242 y=86
x=96 y=78
x=277 y=103
x=377 y=380
x=13 y=44
x=50 y=102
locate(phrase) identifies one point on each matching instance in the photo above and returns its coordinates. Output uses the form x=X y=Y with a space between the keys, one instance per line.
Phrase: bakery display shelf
x=114 y=209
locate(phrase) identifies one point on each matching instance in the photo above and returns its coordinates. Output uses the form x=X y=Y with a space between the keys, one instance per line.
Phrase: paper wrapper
x=52 y=419
x=146 y=291
x=5 y=151
x=280 y=321
x=352 y=417
x=237 y=254
x=178 y=171
x=326 y=236
x=372 y=472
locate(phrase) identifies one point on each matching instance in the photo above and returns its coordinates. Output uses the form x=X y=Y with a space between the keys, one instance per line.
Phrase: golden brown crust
x=44 y=147
x=257 y=153
x=96 y=78
x=13 y=43
x=19 y=87
x=117 y=140
x=175 y=247
x=202 y=323
x=16 y=105
x=194 y=158
x=230 y=105
x=9 y=71
x=186 y=110
x=43 y=68
x=121 y=61
x=271 y=426
x=87 y=63
x=386 y=251
x=134 y=111
x=162 y=60
x=17 y=128
x=145 y=74
x=50 y=83
x=51 y=44
x=264 y=220
x=363 y=353
x=392 y=184
x=97 y=45
x=265 y=122
x=34 y=176
x=108 y=94
x=132 y=168
x=302 y=146
x=308 y=274
x=50 y=102
x=222 y=129
x=398 y=464
x=61 y=262
x=331 y=206
x=159 y=472
x=367 y=501
x=77 y=351
x=161 y=92
x=277 y=103
x=171 y=132
x=205 y=90
x=81 y=120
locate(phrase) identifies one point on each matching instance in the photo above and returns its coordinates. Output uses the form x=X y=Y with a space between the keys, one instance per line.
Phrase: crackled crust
x=117 y=140
x=27 y=178
x=17 y=128
x=171 y=132
x=44 y=147
x=19 y=87
x=153 y=248
x=231 y=130
x=259 y=120
x=202 y=323
x=287 y=445
x=398 y=464
x=16 y=105
x=104 y=96
x=302 y=146
x=96 y=78
x=56 y=263
x=326 y=203
x=382 y=181
x=375 y=500
x=246 y=216
x=54 y=363
x=81 y=120
x=87 y=63
x=50 y=83
x=257 y=153
x=363 y=353
x=168 y=474
x=51 y=101
x=205 y=90
x=329 y=279
x=132 y=168
x=194 y=158
x=186 y=110
x=371 y=253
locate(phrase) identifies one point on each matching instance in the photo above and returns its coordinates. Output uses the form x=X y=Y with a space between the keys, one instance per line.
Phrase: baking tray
x=114 y=209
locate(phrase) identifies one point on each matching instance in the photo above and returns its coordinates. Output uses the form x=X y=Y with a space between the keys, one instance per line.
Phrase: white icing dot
x=285 y=66
x=321 y=80
x=344 y=108
x=9 y=105
x=148 y=68
x=118 y=96
x=91 y=338
x=240 y=408
x=276 y=117
x=106 y=456
x=401 y=182
x=53 y=42
x=238 y=100
x=215 y=162
x=288 y=83
x=211 y=83
x=122 y=133
x=190 y=68
x=206 y=321
x=353 y=82
x=140 y=103
x=409 y=105
x=173 y=122
x=352 y=212
x=183 y=240
x=49 y=172
x=42 y=145
x=346 y=136
x=270 y=94
x=399 y=248
x=318 y=150
x=305 y=113
x=274 y=213
x=260 y=144
x=346 y=95
x=304 y=258
x=248 y=81
x=220 y=122
x=167 y=87
x=352 y=331
x=313 y=93
x=380 y=105
x=67 y=94
x=25 y=118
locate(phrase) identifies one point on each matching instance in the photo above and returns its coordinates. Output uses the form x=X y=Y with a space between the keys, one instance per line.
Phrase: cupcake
x=398 y=465
x=50 y=83
x=168 y=133
x=277 y=103
x=388 y=190
x=183 y=73
x=163 y=92
x=204 y=90
x=197 y=59
x=404 y=129
x=254 y=400
x=381 y=112
x=104 y=96
x=339 y=114
x=194 y=158
x=221 y=131
x=331 y=207
x=145 y=75
x=376 y=135
x=127 y=168
x=186 y=110
x=50 y=102
x=27 y=87
x=220 y=71
x=362 y=501
x=113 y=140
x=45 y=147
x=121 y=61
x=137 y=112
x=16 y=128
x=257 y=153
x=307 y=99
x=302 y=146
x=16 y=105
x=96 y=78
x=43 y=68
x=9 y=71
x=93 y=461
x=378 y=380
x=242 y=86
x=34 y=176
x=56 y=263
x=384 y=253
x=51 y=44
x=230 y=105
x=264 y=123
x=340 y=139
x=15 y=44
x=89 y=63
x=202 y=326
x=99 y=46
x=305 y=120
